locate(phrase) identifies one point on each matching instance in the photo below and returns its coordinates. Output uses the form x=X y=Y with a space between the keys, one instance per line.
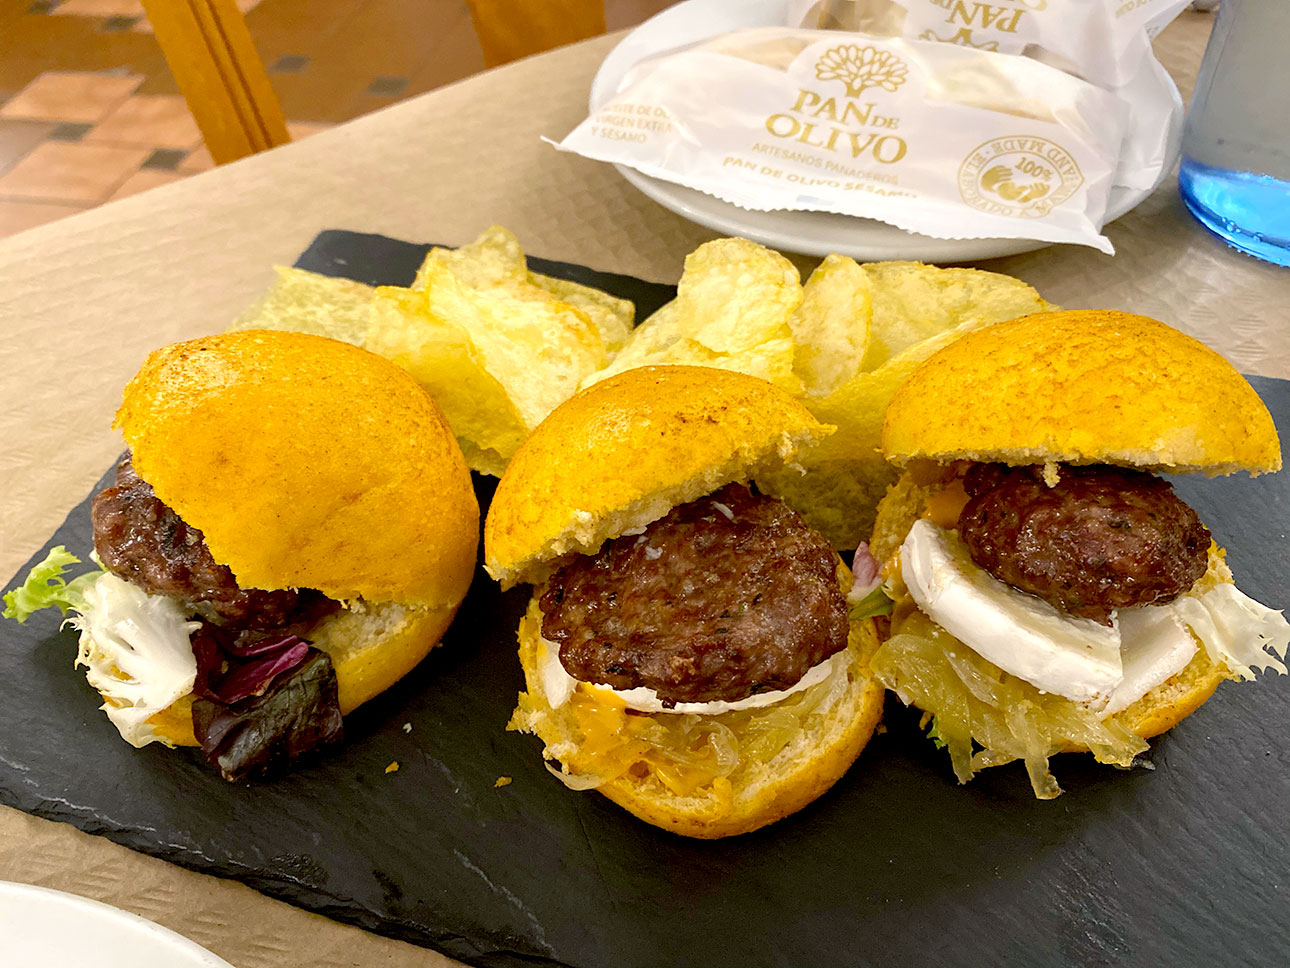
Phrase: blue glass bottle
x=1235 y=171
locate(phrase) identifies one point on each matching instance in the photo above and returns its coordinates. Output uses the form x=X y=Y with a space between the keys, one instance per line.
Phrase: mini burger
x=290 y=531
x=688 y=650
x=1050 y=592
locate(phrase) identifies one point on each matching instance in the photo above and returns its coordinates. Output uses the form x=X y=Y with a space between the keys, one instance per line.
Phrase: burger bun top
x=307 y=463
x=1082 y=387
x=625 y=451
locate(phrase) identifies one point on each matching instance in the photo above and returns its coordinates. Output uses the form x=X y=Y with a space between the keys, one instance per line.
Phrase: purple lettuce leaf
x=263 y=734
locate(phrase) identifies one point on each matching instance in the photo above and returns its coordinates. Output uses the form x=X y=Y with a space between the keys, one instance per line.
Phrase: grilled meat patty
x=1103 y=538
x=724 y=597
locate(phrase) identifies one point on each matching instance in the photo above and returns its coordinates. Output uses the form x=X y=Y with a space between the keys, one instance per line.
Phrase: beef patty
x=726 y=596
x=1103 y=538
x=145 y=542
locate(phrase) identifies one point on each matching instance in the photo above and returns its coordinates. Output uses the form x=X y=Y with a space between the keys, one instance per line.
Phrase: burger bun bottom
x=760 y=793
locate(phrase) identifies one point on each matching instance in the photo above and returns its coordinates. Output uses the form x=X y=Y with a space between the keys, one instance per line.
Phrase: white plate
x=810 y=233
x=40 y=928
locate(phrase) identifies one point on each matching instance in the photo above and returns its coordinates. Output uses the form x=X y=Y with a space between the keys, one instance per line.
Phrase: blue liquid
x=1250 y=212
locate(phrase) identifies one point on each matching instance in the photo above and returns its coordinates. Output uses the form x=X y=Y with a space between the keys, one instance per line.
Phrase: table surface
x=83 y=301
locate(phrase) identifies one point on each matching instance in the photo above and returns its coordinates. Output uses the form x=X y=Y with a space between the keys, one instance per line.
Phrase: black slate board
x=1182 y=865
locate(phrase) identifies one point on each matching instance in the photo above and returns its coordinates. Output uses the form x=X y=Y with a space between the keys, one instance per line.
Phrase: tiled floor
x=89 y=112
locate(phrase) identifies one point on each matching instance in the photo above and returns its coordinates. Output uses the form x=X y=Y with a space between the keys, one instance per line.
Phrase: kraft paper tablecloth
x=83 y=300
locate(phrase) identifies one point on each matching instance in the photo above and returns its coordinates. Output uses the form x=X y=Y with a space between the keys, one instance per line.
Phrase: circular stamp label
x=1018 y=175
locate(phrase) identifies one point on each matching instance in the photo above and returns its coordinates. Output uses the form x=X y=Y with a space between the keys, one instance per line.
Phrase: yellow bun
x=625 y=451
x=307 y=463
x=1082 y=386
x=757 y=793
x=371 y=648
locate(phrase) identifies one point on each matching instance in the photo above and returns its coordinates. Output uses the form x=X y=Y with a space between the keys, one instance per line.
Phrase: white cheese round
x=1021 y=634
x=1154 y=645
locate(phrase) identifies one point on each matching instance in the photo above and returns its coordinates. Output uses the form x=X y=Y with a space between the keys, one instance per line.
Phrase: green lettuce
x=45 y=587
x=934 y=735
x=875 y=603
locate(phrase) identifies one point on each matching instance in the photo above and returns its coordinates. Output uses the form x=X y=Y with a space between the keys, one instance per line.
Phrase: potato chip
x=612 y=316
x=496 y=359
x=491 y=260
x=496 y=259
x=735 y=295
x=442 y=357
x=732 y=311
x=300 y=301
x=650 y=343
x=912 y=301
x=831 y=326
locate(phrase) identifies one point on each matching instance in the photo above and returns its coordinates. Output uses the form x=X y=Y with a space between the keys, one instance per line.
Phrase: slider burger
x=290 y=532
x=1050 y=593
x=687 y=650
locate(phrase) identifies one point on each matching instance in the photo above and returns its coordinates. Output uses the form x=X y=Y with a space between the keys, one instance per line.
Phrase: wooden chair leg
x=511 y=29
x=215 y=63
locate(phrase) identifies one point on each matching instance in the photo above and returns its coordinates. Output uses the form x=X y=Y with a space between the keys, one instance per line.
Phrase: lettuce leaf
x=875 y=603
x=1237 y=631
x=136 y=652
x=263 y=735
x=45 y=587
x=934 y=735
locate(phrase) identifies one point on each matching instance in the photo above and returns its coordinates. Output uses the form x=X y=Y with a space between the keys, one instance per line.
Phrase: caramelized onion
x=987 y=717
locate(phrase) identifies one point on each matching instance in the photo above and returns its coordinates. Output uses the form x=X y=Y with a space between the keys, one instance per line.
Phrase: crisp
x=306 y=302
x=441 y=355
x=495 y=258
x=497 y=359
x=732 y=311
x=912 y=302
x=491 y=260
x=831 y=327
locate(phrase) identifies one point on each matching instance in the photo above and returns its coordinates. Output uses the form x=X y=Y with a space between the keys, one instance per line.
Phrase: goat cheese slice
x=1154 y=645
x=1077 y=658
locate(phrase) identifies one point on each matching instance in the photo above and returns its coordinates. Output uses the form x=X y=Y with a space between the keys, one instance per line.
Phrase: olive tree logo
x=861 y=68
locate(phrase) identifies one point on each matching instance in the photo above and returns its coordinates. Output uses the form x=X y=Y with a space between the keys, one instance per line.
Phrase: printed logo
x=1018 y=176
x=861 y=68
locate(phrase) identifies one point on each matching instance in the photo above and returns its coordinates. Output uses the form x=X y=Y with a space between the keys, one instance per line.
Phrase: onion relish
x=986 y=717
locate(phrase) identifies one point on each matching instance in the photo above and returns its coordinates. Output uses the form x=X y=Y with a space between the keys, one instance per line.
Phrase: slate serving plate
x=1186 y=863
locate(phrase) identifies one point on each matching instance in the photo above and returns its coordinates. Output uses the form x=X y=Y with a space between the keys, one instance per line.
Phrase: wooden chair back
x=511 y=29
x=222 y=77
